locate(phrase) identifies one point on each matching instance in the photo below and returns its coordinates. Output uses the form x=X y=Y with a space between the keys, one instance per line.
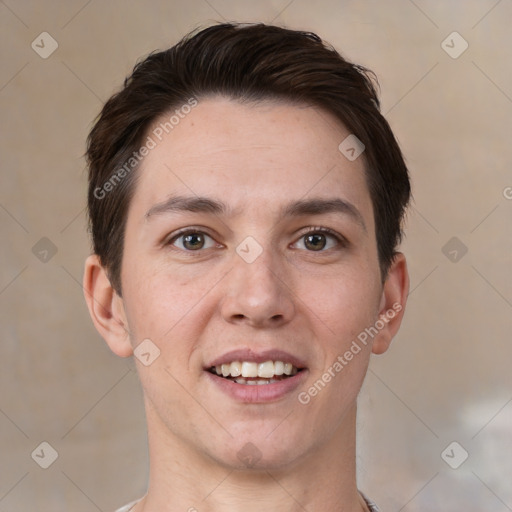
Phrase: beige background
x=447 y=377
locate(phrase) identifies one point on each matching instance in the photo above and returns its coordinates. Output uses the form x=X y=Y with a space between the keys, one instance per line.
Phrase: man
x=245 y=201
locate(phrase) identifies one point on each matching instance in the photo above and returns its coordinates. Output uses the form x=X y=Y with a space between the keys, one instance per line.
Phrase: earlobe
x=392 y=305
x=106 y=307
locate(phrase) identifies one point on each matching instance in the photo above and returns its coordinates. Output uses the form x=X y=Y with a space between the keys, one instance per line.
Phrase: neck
x=182 y=479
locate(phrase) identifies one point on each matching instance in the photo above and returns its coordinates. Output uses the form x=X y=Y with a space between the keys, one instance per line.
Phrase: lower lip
x=257 y=393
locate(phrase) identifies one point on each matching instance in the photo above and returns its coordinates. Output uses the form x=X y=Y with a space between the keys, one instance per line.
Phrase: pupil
x=193 y=241
x=315 y=242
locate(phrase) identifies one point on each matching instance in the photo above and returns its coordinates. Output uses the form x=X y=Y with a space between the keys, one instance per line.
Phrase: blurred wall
x=447 y=376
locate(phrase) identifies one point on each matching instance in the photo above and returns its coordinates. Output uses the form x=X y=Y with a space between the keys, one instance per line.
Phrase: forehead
x=256 y=155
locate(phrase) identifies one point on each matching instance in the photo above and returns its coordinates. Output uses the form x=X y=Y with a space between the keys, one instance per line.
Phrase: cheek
x=160 y=300
x=345 y=302
x=345 y=306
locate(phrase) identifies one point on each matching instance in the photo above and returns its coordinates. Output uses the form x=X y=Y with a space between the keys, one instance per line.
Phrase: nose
x=258 y=294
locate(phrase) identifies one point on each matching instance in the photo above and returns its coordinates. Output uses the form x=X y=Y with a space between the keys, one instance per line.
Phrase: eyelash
x=326 y=231
x=342 y=241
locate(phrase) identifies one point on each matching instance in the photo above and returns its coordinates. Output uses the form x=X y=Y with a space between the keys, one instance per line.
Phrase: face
x=250 y=246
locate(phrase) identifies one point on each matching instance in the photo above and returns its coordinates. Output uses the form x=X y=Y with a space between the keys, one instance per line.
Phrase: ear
x=392 y=304
x=106 y=308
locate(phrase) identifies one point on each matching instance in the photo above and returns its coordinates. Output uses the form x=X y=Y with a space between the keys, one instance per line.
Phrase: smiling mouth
x=251 y=373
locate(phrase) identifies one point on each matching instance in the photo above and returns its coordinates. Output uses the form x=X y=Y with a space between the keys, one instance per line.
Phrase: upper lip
x=249 y=355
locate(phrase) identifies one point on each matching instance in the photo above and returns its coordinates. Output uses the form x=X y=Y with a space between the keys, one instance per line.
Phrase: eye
x=319 y=239
x=192 y=240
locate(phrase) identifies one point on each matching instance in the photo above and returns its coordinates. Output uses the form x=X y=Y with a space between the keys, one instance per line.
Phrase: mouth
x=263 y=377
x=251 y=373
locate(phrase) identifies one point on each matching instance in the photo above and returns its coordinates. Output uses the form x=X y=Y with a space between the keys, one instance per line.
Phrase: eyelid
x=170 y=239
x=328 y=231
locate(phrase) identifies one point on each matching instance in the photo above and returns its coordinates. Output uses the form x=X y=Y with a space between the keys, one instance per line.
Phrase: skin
x=196 y=305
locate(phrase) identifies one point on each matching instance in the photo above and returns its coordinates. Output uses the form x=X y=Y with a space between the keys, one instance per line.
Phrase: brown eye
x=320 y=240
x=315 y=242
x=192 y=241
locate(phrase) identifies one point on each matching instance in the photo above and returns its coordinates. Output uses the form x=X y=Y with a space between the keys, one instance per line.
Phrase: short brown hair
x=246 y=62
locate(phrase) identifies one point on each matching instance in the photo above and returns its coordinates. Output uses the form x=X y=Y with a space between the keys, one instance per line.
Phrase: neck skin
x=183 y=479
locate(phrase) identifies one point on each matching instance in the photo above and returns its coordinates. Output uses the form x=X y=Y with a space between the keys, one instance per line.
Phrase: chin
x=258 y=454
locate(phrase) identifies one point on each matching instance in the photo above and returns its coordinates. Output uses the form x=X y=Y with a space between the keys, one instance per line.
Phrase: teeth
x=266 y=369
x=241 y=380
x=278 y=368
x=226 y=370
x=259 y=382
x=236 y=369
x=249 y=369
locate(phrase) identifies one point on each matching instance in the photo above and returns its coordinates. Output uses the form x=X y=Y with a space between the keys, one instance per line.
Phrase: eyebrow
x=315 y=206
